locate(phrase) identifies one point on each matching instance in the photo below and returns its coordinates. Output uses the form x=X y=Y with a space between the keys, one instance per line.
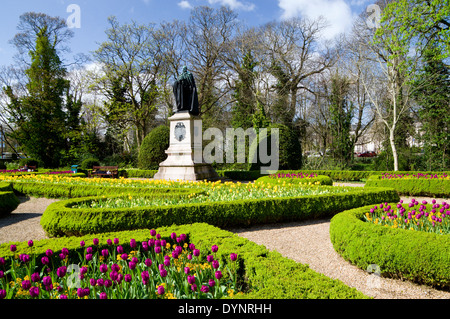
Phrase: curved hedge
x=415 y=186
x=60 y=219
x=8 y=200
x=267 y=274
x=322 y=180
x=417 y=256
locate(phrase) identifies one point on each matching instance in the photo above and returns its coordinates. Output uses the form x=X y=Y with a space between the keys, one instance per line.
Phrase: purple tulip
x=34 y=292
x=124 y=256
x=186 y=270
x=127 y=278
x=103 y=296
x=233 y=257
x=35 y=277
x=30 y=243
x=13 y=248
x=2 y=294
x=115 y=267
x=133 y=243
x=148 y=262
x=196 y=252
x=61 y=271
x=116 y=241
x=163 y=273
x=109 y=242
x=26 y=284
x=100 y=282
x=82 y=243
x=103 y=268
x=92 y=282
x=132 y=265
x=47 y=281
x=105 y=252
x=191 y=279
x=218 y=274
x=204 y=289
x=88 y=257
x=211 y=283
x=209 y=258
x=157 y=249
x=152 y=232
x=161 y=290
x=120 y=249
x=49 y=253
x=215 y=264
x=95 y=241
x=194 y=287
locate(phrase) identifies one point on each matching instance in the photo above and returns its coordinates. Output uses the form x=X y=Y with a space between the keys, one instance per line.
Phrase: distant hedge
x=61 y=220
x=417 y=256
x=414 y=186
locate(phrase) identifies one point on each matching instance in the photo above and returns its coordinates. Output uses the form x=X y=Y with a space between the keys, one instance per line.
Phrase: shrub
x=417 y=256
x=60 y=219
x=88 y=163
x=439 y=187
x=153 y=148
x=8 y=200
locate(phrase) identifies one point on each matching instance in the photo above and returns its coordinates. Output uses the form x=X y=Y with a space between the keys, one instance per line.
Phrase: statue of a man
x=185 y=92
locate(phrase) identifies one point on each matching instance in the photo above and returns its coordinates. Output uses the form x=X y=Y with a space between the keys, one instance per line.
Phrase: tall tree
x=434 y=110
x=39 y=116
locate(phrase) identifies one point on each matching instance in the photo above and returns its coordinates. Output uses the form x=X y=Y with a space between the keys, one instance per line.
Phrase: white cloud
x=235 y=4
x=185 y=4
x=337 y=13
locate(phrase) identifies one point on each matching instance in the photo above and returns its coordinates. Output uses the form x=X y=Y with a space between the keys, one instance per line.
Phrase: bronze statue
x=185 y=92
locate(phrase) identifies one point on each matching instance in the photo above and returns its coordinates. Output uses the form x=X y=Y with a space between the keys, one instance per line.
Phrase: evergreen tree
x=433 y=97
x=341 y=110
x=244 y=108
x=39 y=117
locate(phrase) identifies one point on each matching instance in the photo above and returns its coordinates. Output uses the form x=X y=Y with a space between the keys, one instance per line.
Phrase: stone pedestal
x=185 y=160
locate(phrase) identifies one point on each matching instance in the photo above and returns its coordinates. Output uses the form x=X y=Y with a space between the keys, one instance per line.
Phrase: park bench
x=104 y=171
x=29 y=168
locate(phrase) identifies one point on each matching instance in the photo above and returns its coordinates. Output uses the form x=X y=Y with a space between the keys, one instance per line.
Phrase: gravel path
x=306 y=242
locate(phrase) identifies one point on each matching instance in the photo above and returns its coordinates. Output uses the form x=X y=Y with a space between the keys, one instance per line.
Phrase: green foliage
x=39 y=116
x=88 y=163
x=341 y=111
x=28 y=162
x=153 y=148
x=415 y=186
x=289 y=153
x=417 y=256
x=8 y=200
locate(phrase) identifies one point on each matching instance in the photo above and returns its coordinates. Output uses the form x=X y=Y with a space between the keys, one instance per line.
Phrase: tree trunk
x=394 y=148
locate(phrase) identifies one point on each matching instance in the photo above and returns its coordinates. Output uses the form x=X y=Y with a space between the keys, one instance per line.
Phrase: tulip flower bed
x=297 y=178
x=414 y=184
x=257 y=272
x=434 y=219
x=402 y=249
x=154 y=268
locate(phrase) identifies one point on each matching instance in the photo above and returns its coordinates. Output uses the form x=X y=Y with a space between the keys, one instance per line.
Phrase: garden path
x=315 y=250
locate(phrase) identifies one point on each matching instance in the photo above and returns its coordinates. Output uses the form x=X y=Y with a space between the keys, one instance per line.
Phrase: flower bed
x=260 y=273
x=432 y=219
x=421 y=257
x=414 y=184
x=296 y=178
x=154 y=268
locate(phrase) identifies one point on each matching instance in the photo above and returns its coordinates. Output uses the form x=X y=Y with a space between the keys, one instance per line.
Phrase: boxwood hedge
x=60 y=219
x=420 y=257
x=8 y=200
x=264 y=274
x=416 y=186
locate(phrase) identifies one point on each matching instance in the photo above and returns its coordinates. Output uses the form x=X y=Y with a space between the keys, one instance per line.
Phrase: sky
x=88 y=18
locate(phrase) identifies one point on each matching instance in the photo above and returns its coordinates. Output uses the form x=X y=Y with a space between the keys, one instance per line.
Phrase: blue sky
x=94 y=14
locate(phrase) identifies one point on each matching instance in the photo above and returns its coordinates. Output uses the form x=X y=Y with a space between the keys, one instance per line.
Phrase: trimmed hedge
x=420 y=257
x=138 y=173
x=416 y=186
x=8 y=200
x=265 y=274
x=60 y=219
x=323 y=180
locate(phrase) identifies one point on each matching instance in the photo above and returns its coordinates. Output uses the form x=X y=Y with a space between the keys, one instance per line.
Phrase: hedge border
x=415 y=187
x=268 y=274
x=8 y=200
x=60 y=219
x=416 y=256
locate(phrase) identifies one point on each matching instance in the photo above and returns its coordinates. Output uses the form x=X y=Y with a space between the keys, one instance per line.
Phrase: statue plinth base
x=185 y=160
